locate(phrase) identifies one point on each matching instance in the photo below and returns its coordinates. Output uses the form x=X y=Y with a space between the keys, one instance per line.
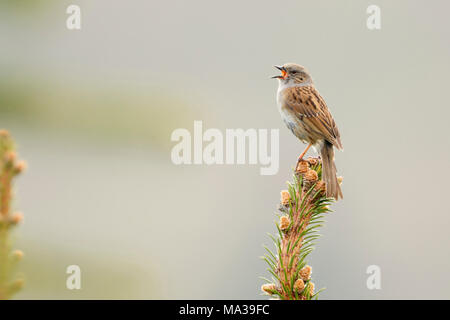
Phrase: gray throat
x=291 y=84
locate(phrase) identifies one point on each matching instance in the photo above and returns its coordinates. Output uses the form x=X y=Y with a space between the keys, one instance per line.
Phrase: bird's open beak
x=283 y=73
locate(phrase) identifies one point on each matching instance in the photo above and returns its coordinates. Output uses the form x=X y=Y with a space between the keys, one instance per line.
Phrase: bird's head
x=293 y=73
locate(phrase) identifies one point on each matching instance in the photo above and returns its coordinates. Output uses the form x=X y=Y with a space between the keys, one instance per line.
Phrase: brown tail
x=329 y=171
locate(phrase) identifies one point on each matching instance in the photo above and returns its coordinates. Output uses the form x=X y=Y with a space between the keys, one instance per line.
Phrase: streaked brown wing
x=309 y=106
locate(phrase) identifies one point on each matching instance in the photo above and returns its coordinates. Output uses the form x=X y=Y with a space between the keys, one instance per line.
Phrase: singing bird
x=306 y=114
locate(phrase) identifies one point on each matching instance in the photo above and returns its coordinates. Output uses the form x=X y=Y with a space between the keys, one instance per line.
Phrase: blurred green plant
x=302 y=209
x=24 y=4
x=10 y=167
x=106 y=113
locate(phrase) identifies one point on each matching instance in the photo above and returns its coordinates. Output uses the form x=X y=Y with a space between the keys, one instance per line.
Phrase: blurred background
x=92 y=111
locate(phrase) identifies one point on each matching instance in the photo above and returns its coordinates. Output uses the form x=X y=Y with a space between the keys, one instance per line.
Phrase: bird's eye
x=293 y=72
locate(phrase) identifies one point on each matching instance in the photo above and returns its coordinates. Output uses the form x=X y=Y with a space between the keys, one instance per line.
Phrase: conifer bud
x=17 y=218
x=284 y=222
x=268 y=288
x=10 y=156
x=305 y=273
x=312 y=161
x=285 y=197
x=17 y=254
x=302 y=167
x=299 y=285
x=320 y=186
x=311 y=175
x=20 y=167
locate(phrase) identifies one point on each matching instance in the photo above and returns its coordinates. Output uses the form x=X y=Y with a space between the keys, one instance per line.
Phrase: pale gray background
x=92 y=112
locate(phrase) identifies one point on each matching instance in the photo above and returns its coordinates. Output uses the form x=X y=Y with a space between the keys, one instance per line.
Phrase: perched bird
x=306 y=114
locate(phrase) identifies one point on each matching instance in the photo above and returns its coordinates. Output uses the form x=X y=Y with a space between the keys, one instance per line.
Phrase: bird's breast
x=292 y=120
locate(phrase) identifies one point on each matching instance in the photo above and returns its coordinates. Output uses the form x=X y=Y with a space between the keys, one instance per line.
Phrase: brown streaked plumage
x=307 y=104
x=306 y=114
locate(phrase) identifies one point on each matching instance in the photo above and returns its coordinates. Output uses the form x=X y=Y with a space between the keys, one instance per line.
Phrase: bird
x=306 y=114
